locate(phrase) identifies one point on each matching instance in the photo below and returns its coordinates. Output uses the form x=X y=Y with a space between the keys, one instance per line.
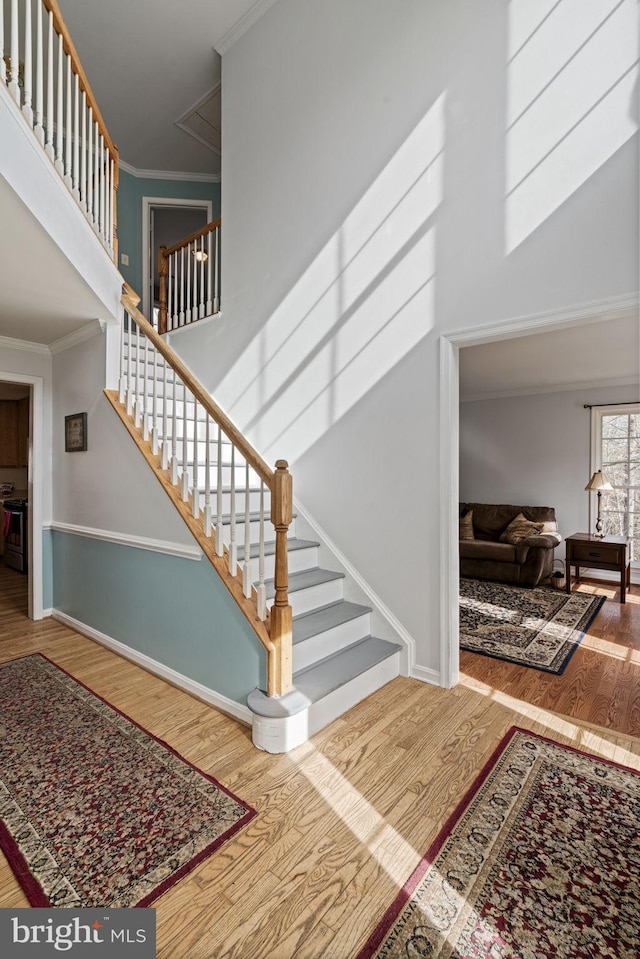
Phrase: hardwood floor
x=345 y=818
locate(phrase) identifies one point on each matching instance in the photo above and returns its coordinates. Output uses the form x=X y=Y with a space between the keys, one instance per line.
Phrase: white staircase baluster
x=68 y=128
x=122 y=388
x=195 y=498
x=169 y=297
x=219 y=534
x=208 y=306
x=174 y=431
x=194 y=309
x=96 y=162
x=185 y=448
x=233 y=545
x=130 y=408
x=165 y=402
x=137 y=403
x=14 y=69
x=155 y=446
x=49 y=148
x=216 y=274
x=181 y=316
x=83 y=153
x=27 y=107
x=246 y=566
x=101 y=188
x=207 y=481
x=187 y=312
x=145 y=389
x=203 y=257
x=112 y=183
x=90 y=165
x=75 y=171
x=107 y=196
x=261 y=588
x=60 y=111
x=3 y=66
x=39 y=73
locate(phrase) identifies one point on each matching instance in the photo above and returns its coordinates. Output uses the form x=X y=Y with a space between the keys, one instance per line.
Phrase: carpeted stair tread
x=336 y=670
x=305 y=579
x=324 y=618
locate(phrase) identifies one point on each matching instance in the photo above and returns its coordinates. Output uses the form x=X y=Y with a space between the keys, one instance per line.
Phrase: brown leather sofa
x=526 y=562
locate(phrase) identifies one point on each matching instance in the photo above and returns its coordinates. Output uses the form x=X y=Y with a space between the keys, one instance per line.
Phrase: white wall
x=372 y=201
x=533 y=451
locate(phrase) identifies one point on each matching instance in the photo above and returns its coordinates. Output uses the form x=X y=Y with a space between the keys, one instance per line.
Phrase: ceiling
x=152 y=66
x=603 y=352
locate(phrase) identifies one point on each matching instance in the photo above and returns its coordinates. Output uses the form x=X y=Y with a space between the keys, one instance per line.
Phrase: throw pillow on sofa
x=519 y=528
x=466 y=526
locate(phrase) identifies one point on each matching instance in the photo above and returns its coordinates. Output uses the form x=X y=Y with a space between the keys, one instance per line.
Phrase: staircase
x=336 y=661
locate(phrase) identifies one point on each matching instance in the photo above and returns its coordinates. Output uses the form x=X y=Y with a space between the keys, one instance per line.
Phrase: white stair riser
x=306 y=600
x=299 y=560
x=338 y=702
x=331 y=641
x=254 y=532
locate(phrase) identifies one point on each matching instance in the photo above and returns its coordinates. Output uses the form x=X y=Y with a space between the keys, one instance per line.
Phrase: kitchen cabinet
x=14 y=433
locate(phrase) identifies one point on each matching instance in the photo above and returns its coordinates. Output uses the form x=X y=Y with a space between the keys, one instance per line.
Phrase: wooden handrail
x=207 y=228
x=69 y=48
x=230 y=430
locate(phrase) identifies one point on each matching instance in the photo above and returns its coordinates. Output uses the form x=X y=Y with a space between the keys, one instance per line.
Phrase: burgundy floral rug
x=539 y=627
x=94 y=810
x=541 y=859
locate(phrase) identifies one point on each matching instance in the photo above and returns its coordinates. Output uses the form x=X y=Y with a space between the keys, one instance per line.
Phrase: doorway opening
x=166 y=220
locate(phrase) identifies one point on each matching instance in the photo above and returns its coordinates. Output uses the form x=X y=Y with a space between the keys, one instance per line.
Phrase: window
x=616 y=451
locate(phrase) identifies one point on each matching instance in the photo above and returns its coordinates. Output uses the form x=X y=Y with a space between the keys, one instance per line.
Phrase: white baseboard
x=426 y=675
x=225 y=705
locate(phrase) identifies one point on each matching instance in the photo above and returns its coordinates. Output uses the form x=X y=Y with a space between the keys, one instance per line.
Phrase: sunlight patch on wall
x=570 y=103
x=363 y=303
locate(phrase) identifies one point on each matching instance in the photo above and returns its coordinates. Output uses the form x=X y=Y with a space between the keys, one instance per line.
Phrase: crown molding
x=26 y=346
x=241 y=26
x=169 y=174
x=85 y=332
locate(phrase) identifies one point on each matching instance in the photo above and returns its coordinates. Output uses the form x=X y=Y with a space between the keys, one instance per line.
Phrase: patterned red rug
x=94 y=810
x=541 y=859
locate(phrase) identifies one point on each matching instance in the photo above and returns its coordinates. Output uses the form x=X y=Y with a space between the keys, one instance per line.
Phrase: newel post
x=280 y=667
x=163 y=269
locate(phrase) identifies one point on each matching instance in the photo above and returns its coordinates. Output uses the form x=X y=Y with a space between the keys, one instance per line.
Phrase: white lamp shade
x=598 y=482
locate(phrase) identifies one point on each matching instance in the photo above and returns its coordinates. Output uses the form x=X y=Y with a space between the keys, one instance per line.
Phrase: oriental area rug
x=541 y=858
x=538 y=627
x=94 y=810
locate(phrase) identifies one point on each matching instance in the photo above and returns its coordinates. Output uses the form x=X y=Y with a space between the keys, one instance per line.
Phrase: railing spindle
x=39 y=129
x=233 y=545
x=154 y=419
x=187 y=312
x=75 y=172
x=83 y=153
x=90 y=166
x=203 y=257
x=216 y=272
x=68 y=135
x=96 y=175
x=27 y=107
x=194 y=307
x=145 y=391
x=169 y=296
x=137 y=405
x=14 y=67
x=122 y=389
x=185 y=449
x=261 y=588
x=219 y=531
x=49 y=148
x=246 y=567
x=165 y=403
x=181 y=316
x=208 y=306
x=60 y=111
x=195 y=498
x=174 y=432
x=207 y=480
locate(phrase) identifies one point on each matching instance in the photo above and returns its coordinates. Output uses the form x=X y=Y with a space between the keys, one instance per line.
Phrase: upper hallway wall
x=394 y=172
x=130 y=193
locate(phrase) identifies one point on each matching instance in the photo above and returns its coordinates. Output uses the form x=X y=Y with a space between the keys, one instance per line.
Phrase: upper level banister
x=207 y=228
x=227 y=426
x=69 y=48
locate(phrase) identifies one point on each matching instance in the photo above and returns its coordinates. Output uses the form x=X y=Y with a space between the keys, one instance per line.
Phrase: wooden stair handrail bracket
x=273 y=628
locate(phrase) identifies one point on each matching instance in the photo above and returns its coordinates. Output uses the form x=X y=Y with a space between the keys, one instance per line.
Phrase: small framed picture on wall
x=75 y=433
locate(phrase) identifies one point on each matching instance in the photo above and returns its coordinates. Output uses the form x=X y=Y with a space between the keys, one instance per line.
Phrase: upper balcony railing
x=41 y=69
x=190 y=278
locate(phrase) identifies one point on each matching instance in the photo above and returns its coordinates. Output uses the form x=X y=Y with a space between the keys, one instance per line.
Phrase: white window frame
x=597 y=415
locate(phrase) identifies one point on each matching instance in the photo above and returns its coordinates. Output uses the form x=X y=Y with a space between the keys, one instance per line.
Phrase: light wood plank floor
x=343 y=819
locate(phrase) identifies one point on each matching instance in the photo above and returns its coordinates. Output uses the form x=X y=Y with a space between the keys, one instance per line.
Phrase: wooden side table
x=595 y=552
